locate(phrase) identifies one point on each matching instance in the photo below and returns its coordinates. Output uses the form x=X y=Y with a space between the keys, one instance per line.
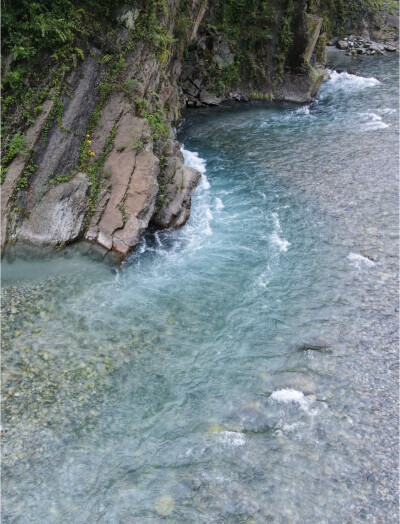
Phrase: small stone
x=164 y=505
x=342 y=44
x=390 y=48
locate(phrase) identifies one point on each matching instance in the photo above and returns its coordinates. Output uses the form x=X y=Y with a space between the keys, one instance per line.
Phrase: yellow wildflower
x=89 y=141
x=92 y=152
x=88 y=136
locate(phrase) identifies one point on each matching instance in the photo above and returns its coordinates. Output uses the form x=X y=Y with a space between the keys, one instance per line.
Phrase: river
x=241 y=369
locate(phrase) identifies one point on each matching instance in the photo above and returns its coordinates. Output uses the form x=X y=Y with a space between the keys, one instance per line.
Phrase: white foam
x=218 y=204
x=281 y=243
x=372 y=126
x=201 y=212
x=345 y=80
x=372 y=116
x=209 y=214
x=204 y=182
x=292 y=427
x=359 y=261
x=192 y=159
x=232 y=439
x=276 y=222
x=375 y=121
x=265 y=277
x=287 y=396
x=305 y=110
x=387 y=110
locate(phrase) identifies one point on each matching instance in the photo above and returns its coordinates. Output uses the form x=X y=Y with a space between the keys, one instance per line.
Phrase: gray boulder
x=209 y=99
x=342 y=44
x=59 y=217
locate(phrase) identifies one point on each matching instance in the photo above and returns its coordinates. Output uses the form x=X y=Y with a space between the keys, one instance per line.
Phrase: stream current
x=241 y=369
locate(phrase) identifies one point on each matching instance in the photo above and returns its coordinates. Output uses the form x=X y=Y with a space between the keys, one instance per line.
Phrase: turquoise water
x=241 y=369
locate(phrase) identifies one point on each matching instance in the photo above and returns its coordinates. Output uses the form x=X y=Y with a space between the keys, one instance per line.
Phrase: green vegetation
x=285 y=39
x=156 y=117
x=23 y=181
x=138 y=145
x=58 y=178
x=336 y=12
x=94 y=167
x=129 y=86
x=17 y=145
x=260 y=34
x=121 y=208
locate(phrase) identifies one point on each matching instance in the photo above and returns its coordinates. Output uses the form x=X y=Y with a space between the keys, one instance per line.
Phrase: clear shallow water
x=182 y=387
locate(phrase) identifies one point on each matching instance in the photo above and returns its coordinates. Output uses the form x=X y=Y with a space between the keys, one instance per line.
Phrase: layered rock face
x=141 y=176
x=105 y=167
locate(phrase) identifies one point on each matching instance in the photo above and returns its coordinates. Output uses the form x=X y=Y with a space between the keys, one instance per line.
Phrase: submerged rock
x=251 y=418
x=164 y=505
x=316 y=344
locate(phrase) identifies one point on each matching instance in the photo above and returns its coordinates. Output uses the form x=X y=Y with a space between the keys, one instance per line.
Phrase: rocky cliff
x=88 y=147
